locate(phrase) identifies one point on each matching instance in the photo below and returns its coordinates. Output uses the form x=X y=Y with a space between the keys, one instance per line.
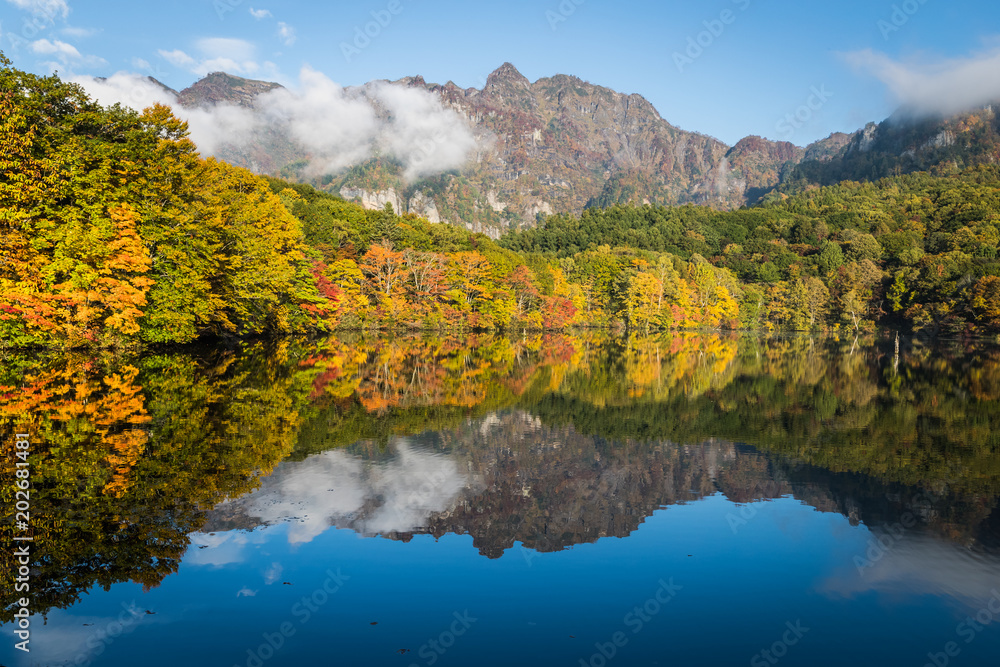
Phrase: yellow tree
x=645 y=294
x=986 y=301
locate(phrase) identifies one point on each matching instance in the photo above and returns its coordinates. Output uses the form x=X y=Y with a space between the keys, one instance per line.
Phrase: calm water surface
x=681 y=500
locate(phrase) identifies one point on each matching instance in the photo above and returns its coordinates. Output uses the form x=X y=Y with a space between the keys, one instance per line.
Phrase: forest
x=117 y=234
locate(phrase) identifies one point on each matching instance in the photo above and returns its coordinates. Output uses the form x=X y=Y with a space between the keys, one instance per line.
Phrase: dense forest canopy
x=916 y=251
x=116 y=233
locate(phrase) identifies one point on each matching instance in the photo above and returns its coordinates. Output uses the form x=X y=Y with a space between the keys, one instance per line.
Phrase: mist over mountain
x=908 y=141
x=496 y=158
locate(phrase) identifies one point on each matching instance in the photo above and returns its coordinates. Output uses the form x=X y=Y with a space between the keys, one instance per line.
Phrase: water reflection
x=546 y=442
x=506 y=478
x=919 y=563
x=337 y=489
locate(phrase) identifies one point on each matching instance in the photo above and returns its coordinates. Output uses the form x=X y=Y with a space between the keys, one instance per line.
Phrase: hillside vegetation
x=116 y=233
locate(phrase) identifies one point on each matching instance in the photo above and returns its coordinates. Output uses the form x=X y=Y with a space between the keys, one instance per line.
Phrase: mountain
x=904 y=143
x=561 y=144
x=556 y=145
x=270 y=149
x=760 y=164
x=219 y=87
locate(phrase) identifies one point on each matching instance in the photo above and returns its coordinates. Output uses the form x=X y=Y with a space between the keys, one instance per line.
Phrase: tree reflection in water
x=547 y=441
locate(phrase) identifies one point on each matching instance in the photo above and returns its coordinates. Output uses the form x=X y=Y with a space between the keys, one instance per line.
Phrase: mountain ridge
x=562 y=144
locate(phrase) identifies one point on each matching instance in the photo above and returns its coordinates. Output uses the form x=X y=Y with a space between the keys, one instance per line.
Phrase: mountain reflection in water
x=506 y=479
x=147 y=467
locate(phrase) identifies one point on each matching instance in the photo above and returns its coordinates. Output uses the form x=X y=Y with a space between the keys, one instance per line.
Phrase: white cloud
x=178 y=58
x=273 y=573
x=942 y=86
x=286 y=33
x=131 y=90
x=221 y=54
x=921 y=564
x=337 y=127
x=340 y=128
x=336 y=488
x=61 y=49
x=424 y=135
x=226 y=47
x=66 y=54
x=49 y=8
x=68 y=637
x=210 y=128
x=141 y=64
x=228 y=65
x=216 y=550
x=260 y=13
x=245 y=593
x=320 y=116
x=79 y=33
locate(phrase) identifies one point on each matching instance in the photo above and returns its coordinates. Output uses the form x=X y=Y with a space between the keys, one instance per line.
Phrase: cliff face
x=755 y=165
x=219 y=87
x=561 y=144
x=905 y=143
x=556 y=145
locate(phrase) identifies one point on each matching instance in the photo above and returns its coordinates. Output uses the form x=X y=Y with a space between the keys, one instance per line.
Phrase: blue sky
x=837 y=64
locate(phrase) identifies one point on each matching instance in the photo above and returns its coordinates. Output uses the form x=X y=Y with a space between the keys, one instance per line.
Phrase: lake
x=687 y=499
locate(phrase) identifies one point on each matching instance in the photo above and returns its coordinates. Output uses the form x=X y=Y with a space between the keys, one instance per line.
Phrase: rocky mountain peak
x=563 y=143
x=778 y=150
x=507 y=82
x=221 y=87
x=507 y=73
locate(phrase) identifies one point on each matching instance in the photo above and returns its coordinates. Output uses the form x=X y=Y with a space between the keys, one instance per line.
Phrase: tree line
x=117 y=233
x=917 y=252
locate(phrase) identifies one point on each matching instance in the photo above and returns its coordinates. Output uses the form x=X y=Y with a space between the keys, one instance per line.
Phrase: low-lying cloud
x=211 y=129
x=337 y=127
x=943 y=87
